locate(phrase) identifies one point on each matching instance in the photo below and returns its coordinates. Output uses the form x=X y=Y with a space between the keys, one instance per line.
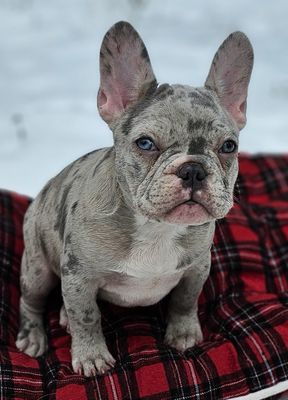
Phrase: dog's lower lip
x=191 y=202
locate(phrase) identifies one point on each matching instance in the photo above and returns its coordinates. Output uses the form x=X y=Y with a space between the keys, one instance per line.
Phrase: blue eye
x=228 y=147
x=145 y=143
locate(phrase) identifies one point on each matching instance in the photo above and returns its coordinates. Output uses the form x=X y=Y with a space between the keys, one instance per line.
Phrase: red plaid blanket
x=243 y=311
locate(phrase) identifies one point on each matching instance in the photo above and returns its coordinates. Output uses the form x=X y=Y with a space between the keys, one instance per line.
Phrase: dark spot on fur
x=209 y=125
x=71 y=266
x=62 y=212
x=72 y=263
x=219 y=125
x=25 y=326
x=203 y=99
x=197 y=145
x=74 y=206
x=147 y=89
x=185 y=262
x=71 y=311
x=202 y=125
x=163 y=91
x=87 y=320
x=127 y=124
x=137 y=109
x=137 y=166
x=195 y=125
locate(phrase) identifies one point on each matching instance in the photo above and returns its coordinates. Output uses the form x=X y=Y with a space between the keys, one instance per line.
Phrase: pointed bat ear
x=230 y=74
x=126 y=73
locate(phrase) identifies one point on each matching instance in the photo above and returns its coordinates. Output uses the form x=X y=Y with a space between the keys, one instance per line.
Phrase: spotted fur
x=120 y=223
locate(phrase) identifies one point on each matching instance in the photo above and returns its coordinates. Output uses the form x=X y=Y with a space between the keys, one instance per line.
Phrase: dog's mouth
x=190 y=212
x=191 y=202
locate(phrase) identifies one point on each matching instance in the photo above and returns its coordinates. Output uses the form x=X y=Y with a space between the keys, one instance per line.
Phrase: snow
x=49 y=72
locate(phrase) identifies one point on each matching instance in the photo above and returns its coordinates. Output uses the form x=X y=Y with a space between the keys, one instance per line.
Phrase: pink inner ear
x=230 y=73
x=243 y=107
x=109 y=106
x=238 y=112
x=102 y=98
x=125 y=70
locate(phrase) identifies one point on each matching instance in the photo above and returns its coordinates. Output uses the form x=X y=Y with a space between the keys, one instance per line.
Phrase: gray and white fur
x=131 y=223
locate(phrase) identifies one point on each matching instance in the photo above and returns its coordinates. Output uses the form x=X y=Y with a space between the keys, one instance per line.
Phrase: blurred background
x=49 y=72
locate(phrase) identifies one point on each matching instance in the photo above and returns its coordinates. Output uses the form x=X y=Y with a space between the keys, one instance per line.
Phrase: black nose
x=192 y=174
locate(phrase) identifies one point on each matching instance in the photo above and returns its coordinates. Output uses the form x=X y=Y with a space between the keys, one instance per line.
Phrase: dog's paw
x=183 y=333
x=92 y=362
x=32 y=340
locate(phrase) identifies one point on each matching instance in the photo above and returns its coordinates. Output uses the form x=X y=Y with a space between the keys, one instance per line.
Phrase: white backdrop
x=49 y=72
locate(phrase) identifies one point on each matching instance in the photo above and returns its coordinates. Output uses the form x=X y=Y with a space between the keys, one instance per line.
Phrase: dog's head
x=176 y=145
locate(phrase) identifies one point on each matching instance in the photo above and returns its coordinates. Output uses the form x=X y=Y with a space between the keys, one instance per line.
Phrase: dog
x=131 y=223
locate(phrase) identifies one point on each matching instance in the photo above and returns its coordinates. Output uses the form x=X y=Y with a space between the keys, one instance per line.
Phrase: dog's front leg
x=183 y=327
x=90 y=354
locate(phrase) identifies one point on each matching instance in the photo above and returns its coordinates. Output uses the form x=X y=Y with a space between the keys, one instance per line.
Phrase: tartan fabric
x=243 y=312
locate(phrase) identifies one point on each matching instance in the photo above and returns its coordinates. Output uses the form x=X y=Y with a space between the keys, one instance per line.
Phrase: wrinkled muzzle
x=187 y=192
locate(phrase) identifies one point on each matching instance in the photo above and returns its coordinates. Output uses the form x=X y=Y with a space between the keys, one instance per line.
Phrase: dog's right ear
x=126 y=74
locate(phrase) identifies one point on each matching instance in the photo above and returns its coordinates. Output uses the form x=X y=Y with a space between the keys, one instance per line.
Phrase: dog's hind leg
x=36 y=282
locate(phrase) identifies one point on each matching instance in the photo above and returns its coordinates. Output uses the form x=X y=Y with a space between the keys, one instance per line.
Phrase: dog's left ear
x=230 y=73
x=126 y=74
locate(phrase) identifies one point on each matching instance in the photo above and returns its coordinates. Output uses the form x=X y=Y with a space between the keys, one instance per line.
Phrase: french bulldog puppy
x=131 y=223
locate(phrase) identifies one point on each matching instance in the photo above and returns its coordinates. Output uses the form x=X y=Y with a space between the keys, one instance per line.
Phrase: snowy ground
x=49 y=72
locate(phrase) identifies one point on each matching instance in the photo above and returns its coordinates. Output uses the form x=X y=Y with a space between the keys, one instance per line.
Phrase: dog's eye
x=228 y=147
x=145 y=143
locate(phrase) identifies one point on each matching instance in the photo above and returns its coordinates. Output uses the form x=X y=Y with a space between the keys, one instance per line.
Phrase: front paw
x=92 y=360
x=183 y=332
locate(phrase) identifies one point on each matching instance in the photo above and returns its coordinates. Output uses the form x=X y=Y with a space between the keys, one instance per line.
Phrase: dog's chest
x=149 y=272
